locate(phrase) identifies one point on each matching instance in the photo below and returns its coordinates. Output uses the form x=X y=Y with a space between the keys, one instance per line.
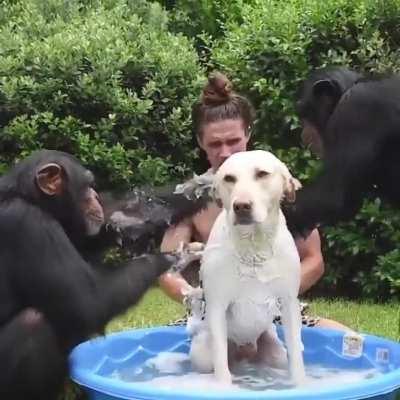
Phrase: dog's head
x=250 y=186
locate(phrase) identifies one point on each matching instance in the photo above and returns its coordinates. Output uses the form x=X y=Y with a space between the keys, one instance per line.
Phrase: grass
x=377 y=319
x=154 y=309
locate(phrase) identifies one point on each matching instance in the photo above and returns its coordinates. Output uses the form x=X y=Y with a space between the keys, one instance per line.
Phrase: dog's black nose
x=242 y=207
x=243 y=212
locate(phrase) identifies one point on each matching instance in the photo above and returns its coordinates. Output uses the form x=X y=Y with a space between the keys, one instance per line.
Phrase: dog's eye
x=229 y=179
x=261 y=174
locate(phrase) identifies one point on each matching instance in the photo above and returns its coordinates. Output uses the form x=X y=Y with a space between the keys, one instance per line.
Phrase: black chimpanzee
x=50 y=298
x=353 y=123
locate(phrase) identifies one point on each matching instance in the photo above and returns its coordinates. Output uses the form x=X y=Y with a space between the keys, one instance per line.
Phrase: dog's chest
x=251 y=312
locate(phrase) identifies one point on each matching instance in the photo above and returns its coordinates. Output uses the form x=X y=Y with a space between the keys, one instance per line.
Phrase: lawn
x=378 y=319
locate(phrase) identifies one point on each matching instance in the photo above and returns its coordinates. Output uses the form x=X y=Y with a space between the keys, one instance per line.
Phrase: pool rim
x=377 y=386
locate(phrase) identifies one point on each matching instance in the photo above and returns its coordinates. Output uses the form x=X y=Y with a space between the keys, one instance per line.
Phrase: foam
x=171 y=370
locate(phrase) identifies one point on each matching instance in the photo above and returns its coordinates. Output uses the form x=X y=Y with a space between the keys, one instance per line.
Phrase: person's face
x=221 y=139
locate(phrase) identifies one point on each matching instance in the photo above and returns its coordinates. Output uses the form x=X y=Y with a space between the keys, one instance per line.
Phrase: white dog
x=249 y=262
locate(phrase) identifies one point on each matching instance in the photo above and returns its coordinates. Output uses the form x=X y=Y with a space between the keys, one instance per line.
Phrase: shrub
x=103 y=82
x=113 y=81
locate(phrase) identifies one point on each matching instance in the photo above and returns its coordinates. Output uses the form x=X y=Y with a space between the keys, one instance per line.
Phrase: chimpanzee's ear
x=326 y=87
x=50 y=179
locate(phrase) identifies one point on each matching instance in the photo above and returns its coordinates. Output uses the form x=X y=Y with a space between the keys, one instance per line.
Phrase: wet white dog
x=250 y=262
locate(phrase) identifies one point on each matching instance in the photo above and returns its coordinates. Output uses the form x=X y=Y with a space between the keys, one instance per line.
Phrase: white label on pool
x=353 y=345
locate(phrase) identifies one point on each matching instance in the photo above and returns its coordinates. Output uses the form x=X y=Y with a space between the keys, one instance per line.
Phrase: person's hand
x=192 y=297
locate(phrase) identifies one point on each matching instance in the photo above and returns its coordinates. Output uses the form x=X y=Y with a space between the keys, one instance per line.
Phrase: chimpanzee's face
x=69 y=191
x=92 y=212
x=311 y=138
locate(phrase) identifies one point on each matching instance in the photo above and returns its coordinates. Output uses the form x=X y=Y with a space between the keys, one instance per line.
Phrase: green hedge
x=113 y=82
x=108 y=83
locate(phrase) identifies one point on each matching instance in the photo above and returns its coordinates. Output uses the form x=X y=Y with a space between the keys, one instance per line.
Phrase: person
x=222 y=122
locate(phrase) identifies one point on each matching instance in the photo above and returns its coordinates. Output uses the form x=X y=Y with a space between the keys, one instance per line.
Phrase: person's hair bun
x=218 y=90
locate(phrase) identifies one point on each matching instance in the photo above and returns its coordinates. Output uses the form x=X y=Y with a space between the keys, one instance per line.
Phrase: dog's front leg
x=291 y=322
x=216 y=320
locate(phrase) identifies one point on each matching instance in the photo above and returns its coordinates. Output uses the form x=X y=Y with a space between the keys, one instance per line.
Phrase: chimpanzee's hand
x=198 y=186
x=295 y=223
x=186 y=254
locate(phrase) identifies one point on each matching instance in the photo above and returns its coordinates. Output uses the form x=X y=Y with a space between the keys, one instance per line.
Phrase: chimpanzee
x=353 y=122
x=50 y=297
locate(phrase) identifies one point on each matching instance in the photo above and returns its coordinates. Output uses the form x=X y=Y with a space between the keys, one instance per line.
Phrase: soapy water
x=169 y=370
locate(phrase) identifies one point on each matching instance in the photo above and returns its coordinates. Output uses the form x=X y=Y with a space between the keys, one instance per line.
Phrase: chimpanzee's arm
x=334 y=196
x=137 y=219
x=351 y=152
x=50 y=275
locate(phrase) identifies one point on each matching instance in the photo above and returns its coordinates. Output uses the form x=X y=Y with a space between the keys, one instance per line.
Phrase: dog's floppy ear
x=290 y=184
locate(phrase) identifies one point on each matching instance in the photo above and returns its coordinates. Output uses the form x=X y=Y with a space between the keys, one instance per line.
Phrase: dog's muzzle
x=243 y=212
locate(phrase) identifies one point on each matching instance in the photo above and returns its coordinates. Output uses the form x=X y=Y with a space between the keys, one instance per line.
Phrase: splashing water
x=169 y=370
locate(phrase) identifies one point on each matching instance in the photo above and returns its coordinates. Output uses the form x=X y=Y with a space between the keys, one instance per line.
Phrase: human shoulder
x=310 y=244
x=204 y=220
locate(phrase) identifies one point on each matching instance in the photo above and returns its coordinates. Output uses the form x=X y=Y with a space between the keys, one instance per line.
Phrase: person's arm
x=173 y=284
x=312 y=262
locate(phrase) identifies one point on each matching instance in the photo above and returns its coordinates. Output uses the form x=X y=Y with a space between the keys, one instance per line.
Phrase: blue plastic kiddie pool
x=94 y=363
